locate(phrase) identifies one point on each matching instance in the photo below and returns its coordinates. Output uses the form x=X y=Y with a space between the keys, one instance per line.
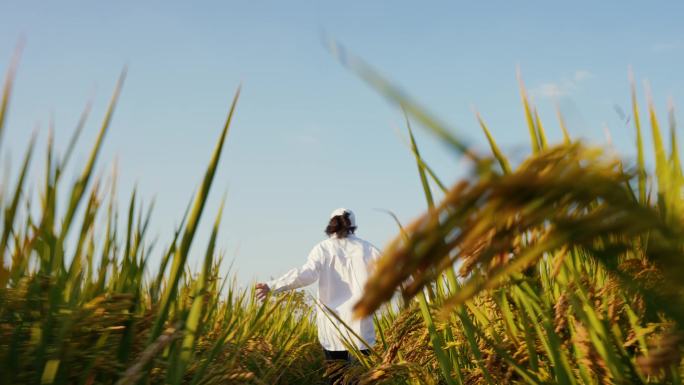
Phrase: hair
x=340 y=225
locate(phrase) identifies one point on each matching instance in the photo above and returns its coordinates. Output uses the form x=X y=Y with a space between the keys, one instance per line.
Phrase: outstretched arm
x=295 y=278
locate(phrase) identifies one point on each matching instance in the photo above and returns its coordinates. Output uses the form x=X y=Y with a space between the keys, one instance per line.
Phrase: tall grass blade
x=529 y=117
x=436 y=339
x=661 y=165
x=421 y=171
x=74 y=138
x=82 y=182
x=540 y=130
x=500 y=157
x=674 y=145
x=192 y=323
x=374 y=79
x=641 y=165
x=7 y=88
x=11 y=211
x=193 y=220
x=563 y=126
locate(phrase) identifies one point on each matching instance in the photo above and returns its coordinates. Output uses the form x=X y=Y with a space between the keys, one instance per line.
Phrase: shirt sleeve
x=299 y=277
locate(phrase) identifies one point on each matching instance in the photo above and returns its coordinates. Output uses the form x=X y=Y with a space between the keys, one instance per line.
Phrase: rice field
x=569 y=272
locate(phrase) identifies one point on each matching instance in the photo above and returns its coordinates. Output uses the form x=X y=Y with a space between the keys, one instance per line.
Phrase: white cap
x=342 y=211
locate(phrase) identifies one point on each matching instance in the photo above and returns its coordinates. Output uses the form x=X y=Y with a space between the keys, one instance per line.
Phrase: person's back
x=341 y=264
x=343 y=271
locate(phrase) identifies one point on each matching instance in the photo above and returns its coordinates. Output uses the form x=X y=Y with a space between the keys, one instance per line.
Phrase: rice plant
x=570 y=263
x=85 y=313
x=569 y=272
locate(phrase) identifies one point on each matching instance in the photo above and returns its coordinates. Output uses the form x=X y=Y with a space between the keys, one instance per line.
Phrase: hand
x=262 y=291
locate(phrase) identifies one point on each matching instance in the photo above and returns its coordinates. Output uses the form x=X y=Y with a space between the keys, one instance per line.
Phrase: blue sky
x=308 y=135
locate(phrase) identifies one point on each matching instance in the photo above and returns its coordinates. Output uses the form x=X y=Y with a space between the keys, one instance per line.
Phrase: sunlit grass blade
x=469 y=329
x=436 y=339
x=430 y=172
x=500 y=157
x=387 y=89
x=82 y=182
x=540 y=130
x=11 y=211
x=192 y=323
x=661 y=165
x=189 y=233
x=674 y=145
x=529 y=117
x=563 y=126
x=421 y=171
x=74 y=139
x=7 y=88
x=157 y=284
x=675 y=167
x=641 y=165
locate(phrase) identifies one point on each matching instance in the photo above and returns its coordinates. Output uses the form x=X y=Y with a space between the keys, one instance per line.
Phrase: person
x=341 y=264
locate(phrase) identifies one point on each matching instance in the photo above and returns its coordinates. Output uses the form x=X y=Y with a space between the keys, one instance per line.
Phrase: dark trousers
x=333 y=356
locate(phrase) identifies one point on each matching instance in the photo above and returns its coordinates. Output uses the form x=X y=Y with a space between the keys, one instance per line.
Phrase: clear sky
x=309 y=136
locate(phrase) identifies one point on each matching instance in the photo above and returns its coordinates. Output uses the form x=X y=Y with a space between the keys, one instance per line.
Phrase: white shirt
x=341 y=266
